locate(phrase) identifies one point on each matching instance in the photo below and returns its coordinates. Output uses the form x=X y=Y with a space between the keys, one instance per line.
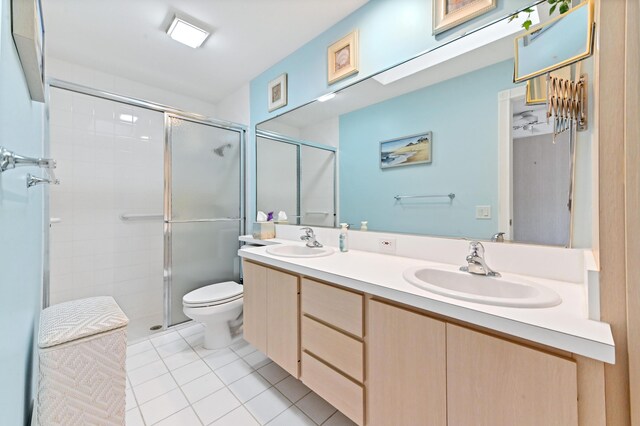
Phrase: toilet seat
x=213 y=295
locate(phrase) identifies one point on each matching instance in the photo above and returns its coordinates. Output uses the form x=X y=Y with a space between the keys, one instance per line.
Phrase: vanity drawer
x=340 y=308
x=341 y=392
x=341 y=351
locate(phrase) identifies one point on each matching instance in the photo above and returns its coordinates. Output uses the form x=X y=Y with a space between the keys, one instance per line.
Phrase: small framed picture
x=277 y=92
x=451 y=13
x=342 y=57
x=405 y=151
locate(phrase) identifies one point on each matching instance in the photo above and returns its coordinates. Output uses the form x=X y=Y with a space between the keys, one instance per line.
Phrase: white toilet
x=215 y=306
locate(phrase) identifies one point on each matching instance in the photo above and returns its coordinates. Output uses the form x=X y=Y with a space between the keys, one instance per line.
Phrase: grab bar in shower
x=401 y=197
x=129 y=216
x=322 y=213
x=215 y=219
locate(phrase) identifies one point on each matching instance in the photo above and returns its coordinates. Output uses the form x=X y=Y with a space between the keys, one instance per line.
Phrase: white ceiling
x=127 y=38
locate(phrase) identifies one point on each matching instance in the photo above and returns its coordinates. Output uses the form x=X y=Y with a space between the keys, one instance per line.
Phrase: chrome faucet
x=498 y=237
x=309 y=237
x=476 y=263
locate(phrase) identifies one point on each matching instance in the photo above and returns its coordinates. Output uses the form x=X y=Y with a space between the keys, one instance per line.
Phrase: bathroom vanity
x=392 y=354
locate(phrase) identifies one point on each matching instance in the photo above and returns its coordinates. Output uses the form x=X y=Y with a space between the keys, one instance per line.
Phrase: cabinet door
x=282 y=320
x=494 y=382
x=406 y=368
x=255 y=305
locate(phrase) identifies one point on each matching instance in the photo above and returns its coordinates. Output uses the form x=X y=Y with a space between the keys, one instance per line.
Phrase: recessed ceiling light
x=327 y=97
x=187 y=33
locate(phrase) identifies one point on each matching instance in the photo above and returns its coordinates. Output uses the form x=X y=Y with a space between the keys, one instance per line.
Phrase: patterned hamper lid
x=69 y=321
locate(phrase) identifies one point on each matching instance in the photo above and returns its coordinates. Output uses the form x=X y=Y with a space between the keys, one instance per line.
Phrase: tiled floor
x=173 y=380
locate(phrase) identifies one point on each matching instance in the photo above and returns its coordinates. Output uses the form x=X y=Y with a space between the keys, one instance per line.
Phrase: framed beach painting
x=342 y=57
x=451 y=13
x=405 y=151
x=277 y=92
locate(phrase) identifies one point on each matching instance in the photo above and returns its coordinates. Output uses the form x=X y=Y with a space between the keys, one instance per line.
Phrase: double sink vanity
x=398 y=340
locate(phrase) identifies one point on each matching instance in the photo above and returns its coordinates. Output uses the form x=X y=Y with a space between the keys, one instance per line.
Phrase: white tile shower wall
x=539 y=261
x=110 y=162
x=96 y=79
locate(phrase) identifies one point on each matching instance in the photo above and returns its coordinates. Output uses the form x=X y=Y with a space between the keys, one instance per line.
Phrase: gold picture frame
x=343 y=57
x=451 y=13
x=277 y=92
x=518 y=77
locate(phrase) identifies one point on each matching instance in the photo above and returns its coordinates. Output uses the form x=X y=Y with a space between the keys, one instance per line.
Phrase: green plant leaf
x=512 y=17
x=528 y=10
x=564 y=7
x=552 y=1
x=553 y=9
x=526 y=24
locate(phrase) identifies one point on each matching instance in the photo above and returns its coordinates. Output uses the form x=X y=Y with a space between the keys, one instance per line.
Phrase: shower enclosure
x=296 y=177
x=203 y=209
x=150 y=206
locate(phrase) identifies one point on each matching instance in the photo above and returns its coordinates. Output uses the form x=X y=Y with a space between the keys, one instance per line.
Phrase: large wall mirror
x=444 y=145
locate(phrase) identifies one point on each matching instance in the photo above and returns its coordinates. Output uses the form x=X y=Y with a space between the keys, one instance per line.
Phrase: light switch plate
x=483 y=212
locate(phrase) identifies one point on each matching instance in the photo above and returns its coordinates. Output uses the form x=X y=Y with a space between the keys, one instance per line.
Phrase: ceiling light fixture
x=327 y=97
x=186 y=33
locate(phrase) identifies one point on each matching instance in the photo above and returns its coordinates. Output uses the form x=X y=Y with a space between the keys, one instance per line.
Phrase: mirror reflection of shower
x=219 y=151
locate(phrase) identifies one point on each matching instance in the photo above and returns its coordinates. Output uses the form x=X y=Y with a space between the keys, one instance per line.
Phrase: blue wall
x=462 y=114
x=21 y=228
x=391 y=31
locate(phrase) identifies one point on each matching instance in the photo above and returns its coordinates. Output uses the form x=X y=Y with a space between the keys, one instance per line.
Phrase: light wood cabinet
x=341 y=351
x=255 y=305
x=406 y=357
x=493 y=382
x=282 y=320
x=341 y=308
x=384 y=364
x=343 y=393
x=272 y=314
x=333 y=350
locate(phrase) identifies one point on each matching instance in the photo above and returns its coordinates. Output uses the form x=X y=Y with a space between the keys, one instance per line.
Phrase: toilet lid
x=218 y=292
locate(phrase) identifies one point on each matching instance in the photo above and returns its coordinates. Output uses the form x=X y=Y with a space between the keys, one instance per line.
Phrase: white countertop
x=565 y=326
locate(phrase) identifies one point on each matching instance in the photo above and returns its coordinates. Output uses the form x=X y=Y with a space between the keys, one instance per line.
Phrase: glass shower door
x=203 y=211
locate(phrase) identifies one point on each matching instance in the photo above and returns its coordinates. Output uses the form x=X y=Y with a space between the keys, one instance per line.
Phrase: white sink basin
x=512 y=292
x=299 y=251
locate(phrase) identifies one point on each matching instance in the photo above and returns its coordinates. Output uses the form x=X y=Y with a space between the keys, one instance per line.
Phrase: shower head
x=219 y=151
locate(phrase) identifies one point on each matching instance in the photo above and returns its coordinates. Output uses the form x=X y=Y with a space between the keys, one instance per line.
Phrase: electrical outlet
x=387 y=245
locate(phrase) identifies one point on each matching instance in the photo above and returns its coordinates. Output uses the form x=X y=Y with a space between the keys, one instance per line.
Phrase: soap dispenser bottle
x=344 y=238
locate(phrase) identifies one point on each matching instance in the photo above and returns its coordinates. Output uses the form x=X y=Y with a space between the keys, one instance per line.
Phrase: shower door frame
x=298 y=143
x=167 y=219
x=166 y=110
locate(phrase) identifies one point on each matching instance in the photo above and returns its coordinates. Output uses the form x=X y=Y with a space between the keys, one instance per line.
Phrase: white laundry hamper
x=81 y=359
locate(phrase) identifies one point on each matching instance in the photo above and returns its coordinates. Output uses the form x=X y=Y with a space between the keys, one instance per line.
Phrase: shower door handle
x=215 y=219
